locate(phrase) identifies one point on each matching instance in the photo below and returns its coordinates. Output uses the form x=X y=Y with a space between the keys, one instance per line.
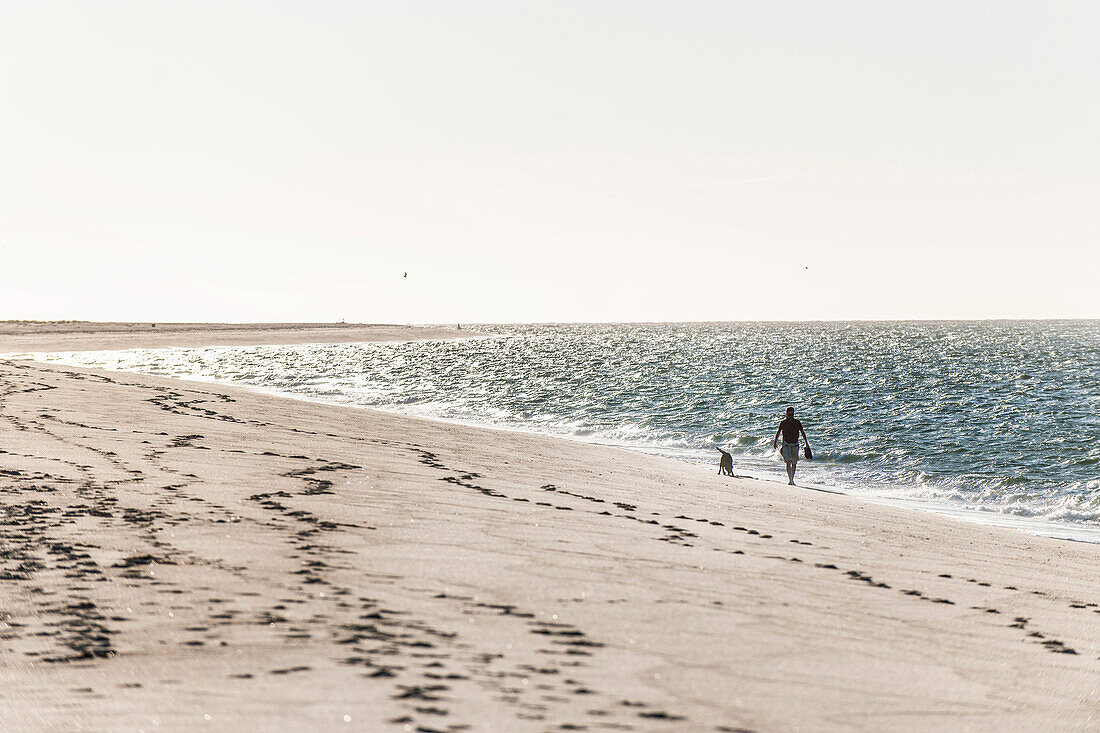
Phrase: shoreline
x=1036 y=526
x=192 y=553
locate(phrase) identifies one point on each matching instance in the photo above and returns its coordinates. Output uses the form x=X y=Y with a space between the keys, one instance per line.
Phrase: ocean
x=997 y=421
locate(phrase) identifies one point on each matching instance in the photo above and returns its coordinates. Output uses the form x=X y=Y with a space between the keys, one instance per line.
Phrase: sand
x=184 y=556
x=37 y=336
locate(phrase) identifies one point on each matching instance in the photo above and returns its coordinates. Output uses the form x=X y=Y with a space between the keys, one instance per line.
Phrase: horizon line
x=344 y=323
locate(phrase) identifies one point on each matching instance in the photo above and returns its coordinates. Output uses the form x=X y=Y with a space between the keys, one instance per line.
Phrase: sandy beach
x=33 y=336
x=185 y=556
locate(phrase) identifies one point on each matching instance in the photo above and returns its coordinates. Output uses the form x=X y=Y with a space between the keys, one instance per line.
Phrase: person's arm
x=775 y=443
x=803 y=431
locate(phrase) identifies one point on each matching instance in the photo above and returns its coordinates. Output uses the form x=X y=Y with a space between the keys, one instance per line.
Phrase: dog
x=725 y=464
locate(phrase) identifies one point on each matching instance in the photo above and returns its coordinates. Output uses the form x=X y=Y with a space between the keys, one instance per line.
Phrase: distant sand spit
x=35 y=336
x=180 y=556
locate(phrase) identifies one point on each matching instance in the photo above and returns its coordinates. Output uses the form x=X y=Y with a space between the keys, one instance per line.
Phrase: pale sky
x=549 y=161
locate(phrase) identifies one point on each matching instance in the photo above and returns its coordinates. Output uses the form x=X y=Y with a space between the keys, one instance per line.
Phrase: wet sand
x=179 y=556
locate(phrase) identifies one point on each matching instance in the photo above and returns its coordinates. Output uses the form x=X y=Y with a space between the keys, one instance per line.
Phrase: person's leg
x=794 y=467
x=790 y=472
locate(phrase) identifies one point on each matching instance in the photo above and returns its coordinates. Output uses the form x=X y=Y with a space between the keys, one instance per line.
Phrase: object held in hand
x=808 y=453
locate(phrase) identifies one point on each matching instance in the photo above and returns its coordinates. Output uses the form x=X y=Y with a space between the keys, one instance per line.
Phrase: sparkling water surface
x=1001 y=417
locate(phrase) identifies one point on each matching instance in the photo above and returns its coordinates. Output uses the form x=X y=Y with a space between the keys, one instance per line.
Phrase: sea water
x=991 y=419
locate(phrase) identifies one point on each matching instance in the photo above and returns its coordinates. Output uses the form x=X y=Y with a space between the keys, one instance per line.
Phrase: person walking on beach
x=790 y=428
